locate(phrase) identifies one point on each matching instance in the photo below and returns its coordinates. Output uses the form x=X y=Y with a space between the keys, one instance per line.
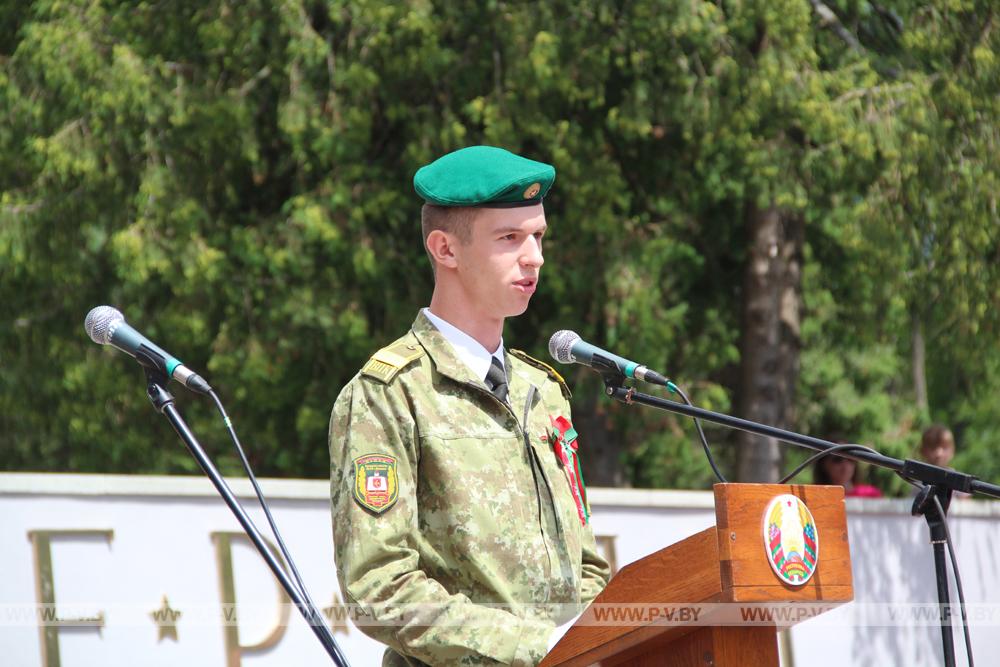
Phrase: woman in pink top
x=835 y=469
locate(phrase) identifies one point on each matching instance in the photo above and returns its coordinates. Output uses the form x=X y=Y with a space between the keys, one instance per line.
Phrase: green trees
x=923 y=242
x=236 y=178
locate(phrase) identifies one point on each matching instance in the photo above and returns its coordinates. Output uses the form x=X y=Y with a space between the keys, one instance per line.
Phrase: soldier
x=460 y=519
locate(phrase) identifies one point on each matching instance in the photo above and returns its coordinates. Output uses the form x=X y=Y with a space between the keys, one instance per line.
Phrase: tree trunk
x=601 y=460
x=919 y=353
x=770 y=342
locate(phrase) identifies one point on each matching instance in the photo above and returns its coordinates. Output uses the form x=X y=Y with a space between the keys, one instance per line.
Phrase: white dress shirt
x=467 y=348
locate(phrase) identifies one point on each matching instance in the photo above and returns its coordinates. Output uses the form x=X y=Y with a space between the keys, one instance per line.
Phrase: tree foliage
x=236 y=177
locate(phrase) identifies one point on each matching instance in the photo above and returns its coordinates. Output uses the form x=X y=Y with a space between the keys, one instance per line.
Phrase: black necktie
x=496 y=380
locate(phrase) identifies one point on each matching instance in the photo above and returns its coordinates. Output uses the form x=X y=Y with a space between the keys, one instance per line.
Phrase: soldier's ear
x=441 y=247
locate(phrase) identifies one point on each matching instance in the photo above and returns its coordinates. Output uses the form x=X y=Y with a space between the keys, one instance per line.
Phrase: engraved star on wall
x=166 y=621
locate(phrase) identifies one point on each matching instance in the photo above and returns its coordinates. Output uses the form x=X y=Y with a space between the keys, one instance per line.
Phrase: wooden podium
x=727 y=563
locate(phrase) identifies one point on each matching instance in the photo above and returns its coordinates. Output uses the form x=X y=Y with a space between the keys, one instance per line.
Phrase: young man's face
x=498 y=267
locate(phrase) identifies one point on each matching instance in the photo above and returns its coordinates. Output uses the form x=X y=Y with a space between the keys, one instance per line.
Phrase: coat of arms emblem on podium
x=790 y=539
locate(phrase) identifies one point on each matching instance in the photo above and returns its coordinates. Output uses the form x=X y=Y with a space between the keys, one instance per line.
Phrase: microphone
x=106 y=326
x=567 y=347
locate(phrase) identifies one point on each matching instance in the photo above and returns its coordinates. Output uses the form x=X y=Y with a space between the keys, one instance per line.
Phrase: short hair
x=454 y=220
x=932 y=435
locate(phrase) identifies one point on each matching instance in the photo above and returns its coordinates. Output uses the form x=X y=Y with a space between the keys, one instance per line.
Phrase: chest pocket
x=476 y=502
x=463 y=471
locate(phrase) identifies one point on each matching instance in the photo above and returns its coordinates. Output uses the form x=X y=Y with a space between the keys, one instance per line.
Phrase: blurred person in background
x=844 y=472
x=937 y=445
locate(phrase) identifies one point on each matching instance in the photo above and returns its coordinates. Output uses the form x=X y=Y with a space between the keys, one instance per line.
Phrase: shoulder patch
x=531 y=361
x=376 y=487
x=385 y=364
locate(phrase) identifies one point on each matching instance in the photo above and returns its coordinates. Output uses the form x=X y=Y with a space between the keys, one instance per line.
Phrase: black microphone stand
x=938 y=483
x=164 y=404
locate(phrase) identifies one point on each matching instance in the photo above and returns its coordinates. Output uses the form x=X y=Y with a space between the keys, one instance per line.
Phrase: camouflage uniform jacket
x=484 y=530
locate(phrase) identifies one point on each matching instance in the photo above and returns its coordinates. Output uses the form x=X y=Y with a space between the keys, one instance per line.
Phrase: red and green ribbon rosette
x=564 y=441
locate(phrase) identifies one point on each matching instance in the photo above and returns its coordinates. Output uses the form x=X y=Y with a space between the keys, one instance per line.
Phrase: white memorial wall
x=140 y=569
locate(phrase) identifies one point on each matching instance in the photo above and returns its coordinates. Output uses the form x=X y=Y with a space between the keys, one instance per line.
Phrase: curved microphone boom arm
x=917 y=471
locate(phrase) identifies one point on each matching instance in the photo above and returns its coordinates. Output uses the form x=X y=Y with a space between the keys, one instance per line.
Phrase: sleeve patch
x=376 y=487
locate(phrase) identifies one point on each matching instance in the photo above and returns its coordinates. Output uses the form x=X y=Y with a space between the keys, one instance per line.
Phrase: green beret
x=484 y=176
